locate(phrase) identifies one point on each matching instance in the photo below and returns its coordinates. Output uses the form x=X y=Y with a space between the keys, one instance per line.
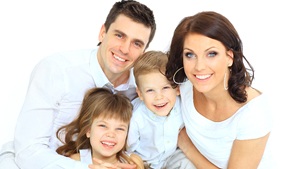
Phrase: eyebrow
x=123 y=34
x=105 y=122
x=204 y=50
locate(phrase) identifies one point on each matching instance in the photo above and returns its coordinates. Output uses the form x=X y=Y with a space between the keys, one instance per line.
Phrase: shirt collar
x=100 y=78
x=98 y=75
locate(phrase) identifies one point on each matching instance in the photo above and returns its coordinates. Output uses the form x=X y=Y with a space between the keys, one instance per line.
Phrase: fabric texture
x=154 y=137
x=55 y=92
x=214 y=139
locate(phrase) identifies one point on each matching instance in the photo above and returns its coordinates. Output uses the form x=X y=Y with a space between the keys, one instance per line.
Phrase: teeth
x=203 y=76
x=119 y=59
x=161 y=105
x=108 y=143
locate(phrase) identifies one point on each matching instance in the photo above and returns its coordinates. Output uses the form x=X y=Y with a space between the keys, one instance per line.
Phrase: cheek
x=122 y=137
x=188 y=66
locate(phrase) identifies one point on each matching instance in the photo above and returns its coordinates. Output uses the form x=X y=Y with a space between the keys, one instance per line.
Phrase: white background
x=33 y=29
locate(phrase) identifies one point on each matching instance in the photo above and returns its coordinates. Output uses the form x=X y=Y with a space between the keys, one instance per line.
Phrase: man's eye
x=119 y=35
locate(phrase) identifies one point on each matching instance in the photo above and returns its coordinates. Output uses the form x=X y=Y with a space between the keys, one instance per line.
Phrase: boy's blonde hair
x=151 y=61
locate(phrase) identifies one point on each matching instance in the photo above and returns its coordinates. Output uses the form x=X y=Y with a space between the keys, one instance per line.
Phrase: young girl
x=100 y=131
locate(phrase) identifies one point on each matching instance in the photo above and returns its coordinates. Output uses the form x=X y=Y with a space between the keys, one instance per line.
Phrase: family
x=120 y=106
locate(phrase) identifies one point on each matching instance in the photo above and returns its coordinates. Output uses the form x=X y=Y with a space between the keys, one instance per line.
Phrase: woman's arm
x=247 y=154
x=188 y=148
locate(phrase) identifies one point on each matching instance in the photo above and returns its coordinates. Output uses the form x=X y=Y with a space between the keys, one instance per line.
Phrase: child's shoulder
x=75 y=156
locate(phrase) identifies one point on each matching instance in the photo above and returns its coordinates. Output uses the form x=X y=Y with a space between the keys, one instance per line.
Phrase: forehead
x=130 y=28
x=154 y=78
x=200 y=41
x=109 y=120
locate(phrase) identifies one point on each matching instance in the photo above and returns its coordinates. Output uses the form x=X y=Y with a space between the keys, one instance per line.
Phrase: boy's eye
x=167 y=87
x=149 y=90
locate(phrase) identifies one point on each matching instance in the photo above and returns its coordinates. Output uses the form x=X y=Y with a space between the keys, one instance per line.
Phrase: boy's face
x=121 y=45
x=157 y=93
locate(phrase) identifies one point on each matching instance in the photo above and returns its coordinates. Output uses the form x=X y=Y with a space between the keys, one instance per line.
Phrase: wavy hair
x=218 y=27
x=96 y=102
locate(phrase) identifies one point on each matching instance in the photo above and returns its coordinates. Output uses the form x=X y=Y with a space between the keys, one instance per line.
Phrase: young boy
x=156 y=119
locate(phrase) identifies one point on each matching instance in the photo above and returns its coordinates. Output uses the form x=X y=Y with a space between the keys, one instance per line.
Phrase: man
x=58 y=83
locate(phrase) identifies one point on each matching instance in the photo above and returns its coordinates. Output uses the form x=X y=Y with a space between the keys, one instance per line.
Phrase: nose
x=200 y=63
x=125 y=46
x=159 y=95
x=111 y=134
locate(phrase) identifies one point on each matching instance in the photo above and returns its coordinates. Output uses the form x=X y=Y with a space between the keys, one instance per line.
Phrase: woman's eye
x=189 y=55
x=212 y=54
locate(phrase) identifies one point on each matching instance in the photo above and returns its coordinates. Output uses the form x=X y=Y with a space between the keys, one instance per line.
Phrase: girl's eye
x=212 y=54
x=121 y=129
x=189 y=55
x=102 y=125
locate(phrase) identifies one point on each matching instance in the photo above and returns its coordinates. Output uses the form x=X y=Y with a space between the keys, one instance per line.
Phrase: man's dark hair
x=136 y=11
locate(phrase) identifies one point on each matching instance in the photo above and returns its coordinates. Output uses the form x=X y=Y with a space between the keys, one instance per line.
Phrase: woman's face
x=205 y=62
x=107 y=137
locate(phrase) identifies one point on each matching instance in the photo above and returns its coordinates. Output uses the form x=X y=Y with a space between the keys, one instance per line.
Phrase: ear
x=177 y=91
x=102 y=33
x=88 y=134
x=139 y=93
x=230 y=57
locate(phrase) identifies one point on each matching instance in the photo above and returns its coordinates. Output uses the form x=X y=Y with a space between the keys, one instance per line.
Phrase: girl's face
x=206 y=62
x=107 y=138
x=157 y=93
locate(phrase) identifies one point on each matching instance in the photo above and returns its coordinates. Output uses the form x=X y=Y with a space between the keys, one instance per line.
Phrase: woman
x=226 y=119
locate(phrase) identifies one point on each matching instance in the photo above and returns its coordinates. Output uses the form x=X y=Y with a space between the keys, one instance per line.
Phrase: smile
x=202 y=77
x=119 y=59
x=108 y=143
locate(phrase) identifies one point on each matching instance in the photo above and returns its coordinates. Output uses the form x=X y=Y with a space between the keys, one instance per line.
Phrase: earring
x=178 y=83
x=224 y=83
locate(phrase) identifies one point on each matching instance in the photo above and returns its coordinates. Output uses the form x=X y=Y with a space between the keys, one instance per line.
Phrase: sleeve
x=36 y=121
x=256 y=120
x=133 y=139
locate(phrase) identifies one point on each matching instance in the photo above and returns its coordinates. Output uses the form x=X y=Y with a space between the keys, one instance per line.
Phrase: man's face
x=121 y=45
